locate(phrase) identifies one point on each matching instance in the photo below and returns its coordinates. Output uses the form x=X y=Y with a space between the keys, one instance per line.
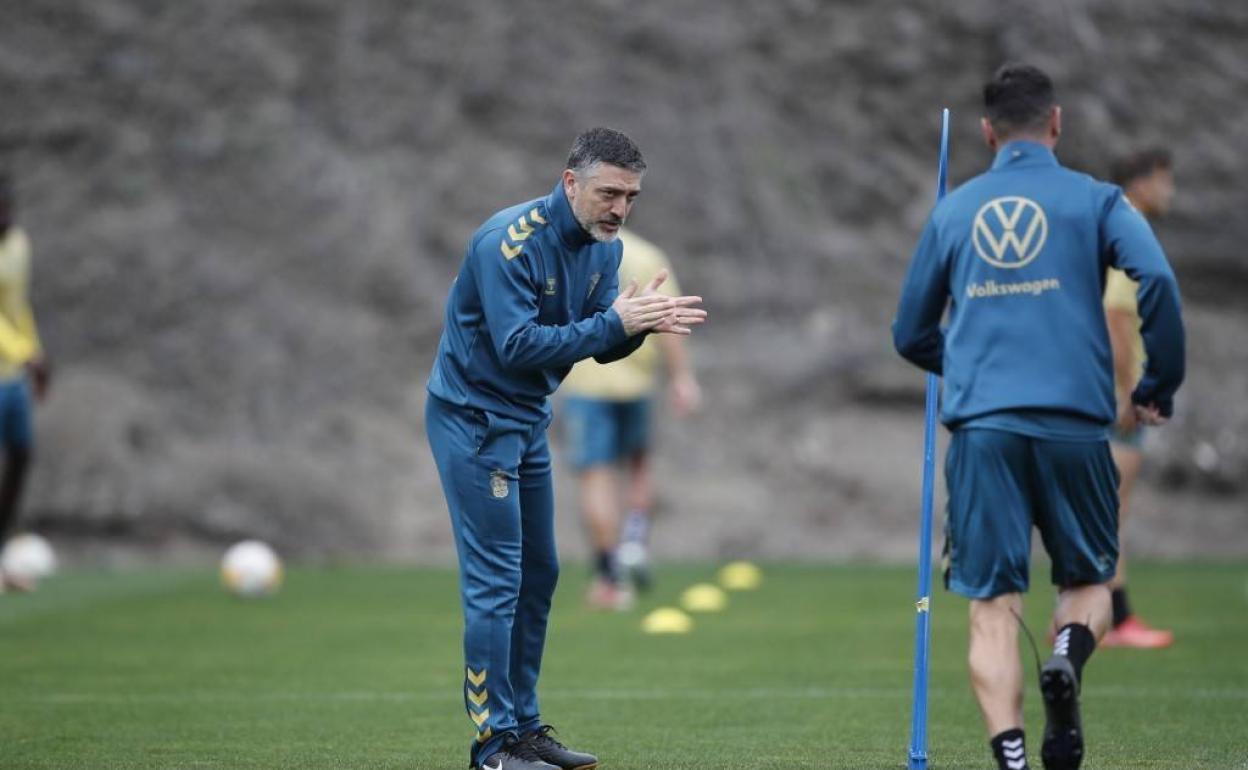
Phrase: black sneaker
x=1063 y=731
x=554 y=752
x=514 y=755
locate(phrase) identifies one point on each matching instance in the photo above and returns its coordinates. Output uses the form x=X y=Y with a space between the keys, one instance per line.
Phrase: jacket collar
x=1024 y=153
x=562 y=220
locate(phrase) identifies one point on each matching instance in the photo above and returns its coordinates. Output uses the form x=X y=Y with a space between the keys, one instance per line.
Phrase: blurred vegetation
x=246 y=216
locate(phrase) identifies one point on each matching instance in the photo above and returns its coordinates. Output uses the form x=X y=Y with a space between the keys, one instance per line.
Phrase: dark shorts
x=1001 y=484
x=602 y=432
x=16 y=414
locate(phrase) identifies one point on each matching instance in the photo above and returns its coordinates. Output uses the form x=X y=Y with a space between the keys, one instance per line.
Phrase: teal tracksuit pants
x=496 y=476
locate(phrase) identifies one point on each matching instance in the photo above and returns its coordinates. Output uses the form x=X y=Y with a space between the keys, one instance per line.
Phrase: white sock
x=636 y=527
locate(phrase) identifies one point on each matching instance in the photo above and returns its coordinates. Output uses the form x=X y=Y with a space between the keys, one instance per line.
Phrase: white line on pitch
x=778 y=693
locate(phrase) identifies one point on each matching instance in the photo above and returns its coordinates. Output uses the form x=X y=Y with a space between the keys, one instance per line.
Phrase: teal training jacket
x=1018 y=257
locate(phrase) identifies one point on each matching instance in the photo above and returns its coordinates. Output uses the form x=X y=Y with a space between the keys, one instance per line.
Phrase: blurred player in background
x=22 y=368
x=1018 y=255
x=608 y=417
x=1148 y=182
x=538 y=291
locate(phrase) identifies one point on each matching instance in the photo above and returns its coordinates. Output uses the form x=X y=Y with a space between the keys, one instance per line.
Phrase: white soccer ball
x=251 y=569
x=28 y=558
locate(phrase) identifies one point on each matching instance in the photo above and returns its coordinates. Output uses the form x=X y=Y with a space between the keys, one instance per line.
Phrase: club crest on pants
x=498 y=484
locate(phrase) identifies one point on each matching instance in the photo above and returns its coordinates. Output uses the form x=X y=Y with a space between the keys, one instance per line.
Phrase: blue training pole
x=922 y=623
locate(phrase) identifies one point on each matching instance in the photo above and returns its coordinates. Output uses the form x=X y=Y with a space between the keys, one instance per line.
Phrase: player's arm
x=1122 y=329
x=684 y=392
x=1134 y=249
x=510 y=299
x=916 y=328
x=37 y=365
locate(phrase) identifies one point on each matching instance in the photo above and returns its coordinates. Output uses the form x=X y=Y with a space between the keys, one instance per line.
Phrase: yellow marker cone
x=667 y=620
x=703 y=597
x=740 y=576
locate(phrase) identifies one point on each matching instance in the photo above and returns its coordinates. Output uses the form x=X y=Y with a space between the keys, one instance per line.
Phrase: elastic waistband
x=495 y=420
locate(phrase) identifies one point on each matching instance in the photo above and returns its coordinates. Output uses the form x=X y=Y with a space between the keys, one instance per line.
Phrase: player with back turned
x=1018 y=256
x=537 y=291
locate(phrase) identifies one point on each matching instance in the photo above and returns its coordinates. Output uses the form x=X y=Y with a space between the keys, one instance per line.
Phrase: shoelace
x=522 y=750
x=543 y=734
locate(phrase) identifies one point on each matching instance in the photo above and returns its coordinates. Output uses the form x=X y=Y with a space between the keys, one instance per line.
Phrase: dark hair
x=1018 y=99
x=605 y=145
x=1137 y=165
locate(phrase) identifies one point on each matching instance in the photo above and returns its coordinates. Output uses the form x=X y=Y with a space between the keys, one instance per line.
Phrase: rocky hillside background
x=246 y=215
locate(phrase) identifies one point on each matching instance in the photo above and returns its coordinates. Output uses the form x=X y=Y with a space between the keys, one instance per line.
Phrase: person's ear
x=569 y=183
x=1055 y=122
x=990 y=136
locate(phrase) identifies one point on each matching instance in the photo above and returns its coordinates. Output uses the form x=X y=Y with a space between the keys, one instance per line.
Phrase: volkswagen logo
x=1009 y=231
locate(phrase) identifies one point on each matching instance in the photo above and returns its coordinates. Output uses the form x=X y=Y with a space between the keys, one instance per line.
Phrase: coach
x=538 y=291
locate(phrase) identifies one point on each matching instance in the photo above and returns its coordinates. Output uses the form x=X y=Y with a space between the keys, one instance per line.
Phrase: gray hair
x=605 y=145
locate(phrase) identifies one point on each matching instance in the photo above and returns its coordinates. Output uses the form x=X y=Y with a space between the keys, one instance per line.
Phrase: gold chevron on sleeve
x=478 y=698
x=485 y=735
x=480 y=718
x=476 y=679
x=510 y=252
x=525 y=230
x=536 y=216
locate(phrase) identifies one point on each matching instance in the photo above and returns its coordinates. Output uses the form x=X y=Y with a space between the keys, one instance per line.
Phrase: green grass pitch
x=360 y=668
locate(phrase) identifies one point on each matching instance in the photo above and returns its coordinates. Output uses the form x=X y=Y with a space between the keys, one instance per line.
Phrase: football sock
x=604 y=565
x=1122 y=610
x=11 y=482
x=1075 y=642
x=1008 y=749
x=636 y=527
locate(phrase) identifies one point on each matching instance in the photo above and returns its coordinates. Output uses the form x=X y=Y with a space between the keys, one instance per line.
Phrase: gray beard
x=604 y=238
x=589 y=230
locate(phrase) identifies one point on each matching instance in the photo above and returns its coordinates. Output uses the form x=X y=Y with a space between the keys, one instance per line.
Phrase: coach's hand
x=684 y=314
x=640 y=313
x=652 y=311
